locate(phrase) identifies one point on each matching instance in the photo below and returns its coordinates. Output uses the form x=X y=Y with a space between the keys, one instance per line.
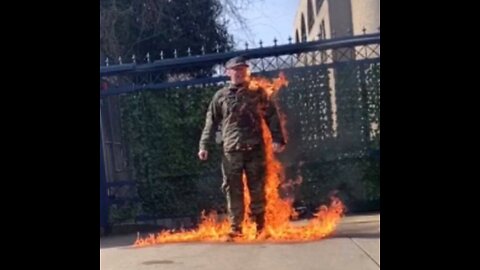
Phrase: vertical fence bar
x=103 y=183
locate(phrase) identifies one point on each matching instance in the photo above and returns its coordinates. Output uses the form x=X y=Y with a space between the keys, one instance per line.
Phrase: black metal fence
x=152 y=113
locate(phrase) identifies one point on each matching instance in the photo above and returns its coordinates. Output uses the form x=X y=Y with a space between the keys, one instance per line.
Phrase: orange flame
x=278 y=212
x=270 y=88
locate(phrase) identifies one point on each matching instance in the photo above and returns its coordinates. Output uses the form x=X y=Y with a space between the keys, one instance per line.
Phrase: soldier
x=239 y=110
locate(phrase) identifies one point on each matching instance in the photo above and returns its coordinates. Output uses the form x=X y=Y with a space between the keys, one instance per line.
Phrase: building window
x=318 y=4
x=322 y=30
x=303 y=29
x=321 y=33
x=310 y=16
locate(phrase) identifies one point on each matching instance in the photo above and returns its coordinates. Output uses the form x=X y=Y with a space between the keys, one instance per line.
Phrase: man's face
x=238 y=74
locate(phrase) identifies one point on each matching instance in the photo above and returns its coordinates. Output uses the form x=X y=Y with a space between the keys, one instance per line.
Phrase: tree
x=139 y=27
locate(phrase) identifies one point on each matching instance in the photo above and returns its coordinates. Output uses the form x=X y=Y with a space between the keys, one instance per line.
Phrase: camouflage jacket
x=238 y=110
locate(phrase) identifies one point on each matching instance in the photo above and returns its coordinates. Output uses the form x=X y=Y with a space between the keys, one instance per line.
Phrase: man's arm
x=273 y=121
x=214 y=116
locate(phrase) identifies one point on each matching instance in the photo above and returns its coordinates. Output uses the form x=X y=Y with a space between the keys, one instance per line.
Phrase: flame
x=270 y=88
x=278 y=212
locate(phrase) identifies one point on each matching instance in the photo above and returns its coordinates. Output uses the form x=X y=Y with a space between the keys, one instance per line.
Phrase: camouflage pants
x=233 y=166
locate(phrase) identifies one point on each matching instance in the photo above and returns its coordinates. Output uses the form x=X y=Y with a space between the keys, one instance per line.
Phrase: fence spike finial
x=120 y=60
x=133 y=59
x=161 y=55
x=364 y=30
x=148 y=57
x=289 y=40
x=217 y=48
x=246 y=45
x=189 y=52
x=203 y=50
x=175 y=53
x=275 y=41
x=261 y=43
x=106 y=61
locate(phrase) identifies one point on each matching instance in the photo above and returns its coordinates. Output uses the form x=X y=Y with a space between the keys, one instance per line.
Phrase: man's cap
x=236 y=62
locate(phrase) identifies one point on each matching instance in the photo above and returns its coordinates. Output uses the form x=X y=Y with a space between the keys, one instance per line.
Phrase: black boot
x=235 y=232
x=260 y=221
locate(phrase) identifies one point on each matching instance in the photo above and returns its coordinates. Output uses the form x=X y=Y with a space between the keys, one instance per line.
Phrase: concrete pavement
x=354 y=245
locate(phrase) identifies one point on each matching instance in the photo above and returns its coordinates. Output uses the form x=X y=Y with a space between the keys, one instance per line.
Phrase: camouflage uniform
x=239 y=110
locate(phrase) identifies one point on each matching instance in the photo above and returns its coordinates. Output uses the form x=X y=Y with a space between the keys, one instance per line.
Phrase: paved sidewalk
x=354 y=245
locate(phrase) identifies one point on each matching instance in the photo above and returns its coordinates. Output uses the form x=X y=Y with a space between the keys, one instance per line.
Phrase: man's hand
x=203 y=154
x=277 y=148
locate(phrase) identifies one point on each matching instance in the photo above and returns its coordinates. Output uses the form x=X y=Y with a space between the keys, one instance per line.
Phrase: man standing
x=239 y=110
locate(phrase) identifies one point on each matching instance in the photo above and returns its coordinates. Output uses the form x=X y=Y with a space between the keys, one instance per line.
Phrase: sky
x=266 y=19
